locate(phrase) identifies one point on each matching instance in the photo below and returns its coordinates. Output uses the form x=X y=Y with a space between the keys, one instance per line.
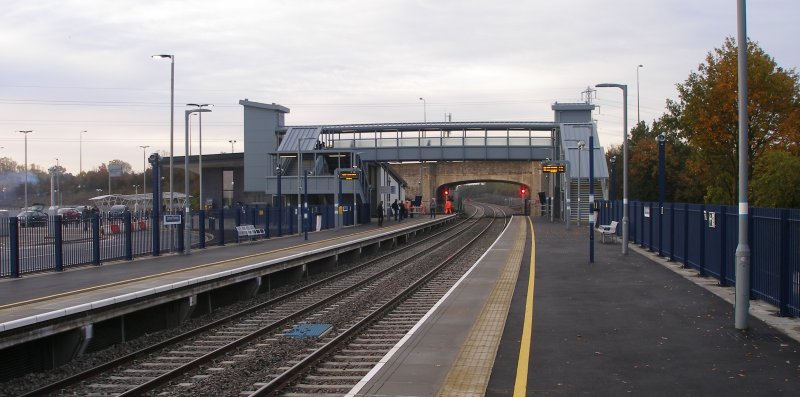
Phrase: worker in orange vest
x=448 y=207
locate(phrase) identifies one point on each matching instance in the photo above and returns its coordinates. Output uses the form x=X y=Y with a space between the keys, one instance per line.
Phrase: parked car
x=69 y=215
x=117 y=212
x=32 y=218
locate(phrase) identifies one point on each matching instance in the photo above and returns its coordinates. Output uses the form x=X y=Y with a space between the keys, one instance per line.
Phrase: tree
x=643 y=164
x=776 y=182
x=706 y=116
x=124 y=166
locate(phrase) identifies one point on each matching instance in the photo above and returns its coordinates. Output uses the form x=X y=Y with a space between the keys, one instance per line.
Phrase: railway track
x=189 y=359
x=335 y=367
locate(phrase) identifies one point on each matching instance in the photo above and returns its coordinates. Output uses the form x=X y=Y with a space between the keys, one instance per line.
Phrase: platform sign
x=172 y=219
x=348 y=174
x=554 y=168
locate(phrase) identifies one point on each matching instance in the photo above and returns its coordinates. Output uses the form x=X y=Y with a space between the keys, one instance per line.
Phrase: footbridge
x=405 y=160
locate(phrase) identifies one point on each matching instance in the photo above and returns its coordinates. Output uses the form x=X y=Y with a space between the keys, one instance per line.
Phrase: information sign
x=554 y=168
x=172 y=219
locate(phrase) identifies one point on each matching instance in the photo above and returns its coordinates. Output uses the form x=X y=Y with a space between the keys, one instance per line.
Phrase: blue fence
x=704 y=237
x=54 y=245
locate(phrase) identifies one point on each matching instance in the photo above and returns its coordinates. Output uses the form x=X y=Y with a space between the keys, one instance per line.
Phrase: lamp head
x=581 y=145
x=661 y=138
x=163 y=56
x=612 y=85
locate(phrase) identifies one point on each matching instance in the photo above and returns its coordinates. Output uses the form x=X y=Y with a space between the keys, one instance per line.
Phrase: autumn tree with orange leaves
x=705 y=118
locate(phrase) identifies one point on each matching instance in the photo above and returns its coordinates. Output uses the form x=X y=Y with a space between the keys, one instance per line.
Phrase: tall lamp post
x=742 y=306
x=424 y=110
x=187 y=227
x=200 y=148
x=613 y=195
x=638 y=119
x=305 y=203
x=80 y=152
x=232 y=141
x=661 y=139
x=26 y=166
x=624 y=88
x=144 y=168
x=171 y=124
x=300 y=172
x=279 y=172
x=581 y=145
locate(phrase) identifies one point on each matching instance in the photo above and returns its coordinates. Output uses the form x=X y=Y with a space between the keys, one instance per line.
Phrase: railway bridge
x=404 y=160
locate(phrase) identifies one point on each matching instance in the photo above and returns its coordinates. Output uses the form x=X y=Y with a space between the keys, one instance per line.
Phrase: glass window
x=227 y=188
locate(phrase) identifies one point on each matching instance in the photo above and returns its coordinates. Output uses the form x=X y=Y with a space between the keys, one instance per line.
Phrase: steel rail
x=105 y=367
x=305 y=364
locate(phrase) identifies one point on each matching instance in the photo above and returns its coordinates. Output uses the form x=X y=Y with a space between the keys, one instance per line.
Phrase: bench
x=249 y=231
x=608 y=230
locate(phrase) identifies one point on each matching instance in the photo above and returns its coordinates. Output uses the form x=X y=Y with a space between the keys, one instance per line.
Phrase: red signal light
x=523 y=190
x=446 y=191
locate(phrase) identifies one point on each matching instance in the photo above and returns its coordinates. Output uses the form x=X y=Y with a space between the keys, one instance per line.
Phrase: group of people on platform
x=405 y=209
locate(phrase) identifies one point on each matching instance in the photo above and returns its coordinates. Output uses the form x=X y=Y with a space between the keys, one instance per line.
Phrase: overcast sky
x=74 y=65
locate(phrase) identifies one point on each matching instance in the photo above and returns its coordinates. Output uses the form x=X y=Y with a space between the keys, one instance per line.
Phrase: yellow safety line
x=123 y=282
x=521 y=383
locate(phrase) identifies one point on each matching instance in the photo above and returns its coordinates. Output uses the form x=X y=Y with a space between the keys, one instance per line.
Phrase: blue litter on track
x=305 y=330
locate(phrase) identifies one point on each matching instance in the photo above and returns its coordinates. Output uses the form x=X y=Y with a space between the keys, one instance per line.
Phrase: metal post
x=144 y=168
x=613 y=195
x=581 y=145
x=305 y=204
x=567 y=204
x=186 y=224
x=742 y=306
x=661 y=186
x=624 y=88
x=26 y=166
x=638 y=119
x=279 y=201
x=591 y=198
x=155 y=160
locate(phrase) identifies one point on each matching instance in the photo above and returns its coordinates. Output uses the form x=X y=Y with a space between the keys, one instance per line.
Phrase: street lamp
x=80 y=152
x=200 y=148
x=424 y=110
x=581 y=145
x=661 y=139
x=299 y=172
x=613 y=195
x=624 y=88
x=305 y=202
x=144 y=167
x=279 y=172
x=742 y=306
x=232 y=141
x=171 y=123
x=135 y=189
x=26 y=166
x=638 y=120
x=186 y=224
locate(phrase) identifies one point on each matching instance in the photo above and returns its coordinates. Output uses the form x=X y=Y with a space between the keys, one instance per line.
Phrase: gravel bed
x=37 y=380
x=267 y=360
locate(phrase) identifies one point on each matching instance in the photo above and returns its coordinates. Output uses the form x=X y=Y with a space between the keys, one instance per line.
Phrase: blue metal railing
x=58 y=245
x=704 y=237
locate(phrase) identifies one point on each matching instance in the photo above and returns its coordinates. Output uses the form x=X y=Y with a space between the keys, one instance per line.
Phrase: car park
x=32 y=218
x=69 y=215
x=117 y=212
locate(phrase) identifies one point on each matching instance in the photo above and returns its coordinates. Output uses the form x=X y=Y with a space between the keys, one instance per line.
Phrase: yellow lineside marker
x=133 y=280
x=521 y=383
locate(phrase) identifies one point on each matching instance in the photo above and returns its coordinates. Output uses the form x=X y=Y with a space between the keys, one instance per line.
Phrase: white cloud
x=344 y=61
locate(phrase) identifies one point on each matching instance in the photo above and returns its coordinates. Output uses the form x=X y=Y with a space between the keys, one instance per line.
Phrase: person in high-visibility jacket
x=448 y=207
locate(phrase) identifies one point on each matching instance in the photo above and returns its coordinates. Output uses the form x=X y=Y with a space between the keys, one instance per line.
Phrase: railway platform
x=45 y=298
x=532 y=317
x=623 y=325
